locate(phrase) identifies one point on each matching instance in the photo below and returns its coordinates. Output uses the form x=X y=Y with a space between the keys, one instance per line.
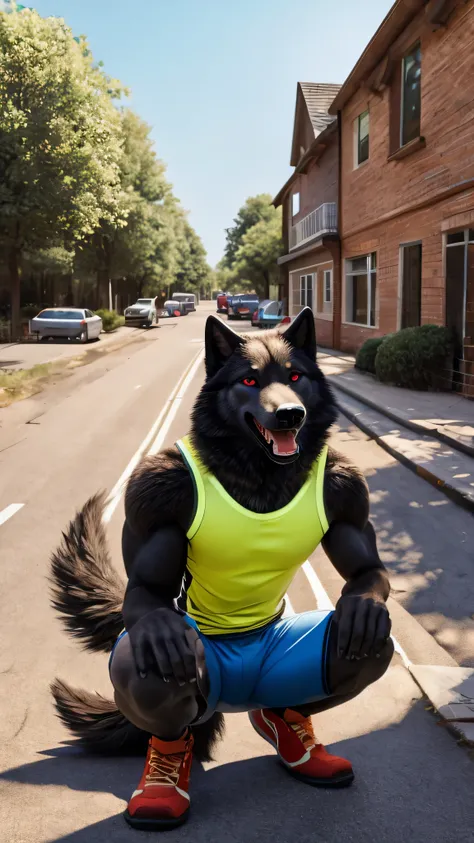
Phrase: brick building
x=406 y=179
x=309 y=205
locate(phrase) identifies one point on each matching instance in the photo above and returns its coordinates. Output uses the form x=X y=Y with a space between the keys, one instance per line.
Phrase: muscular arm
x=350 y=544
x=156 y=573
x=159 y=503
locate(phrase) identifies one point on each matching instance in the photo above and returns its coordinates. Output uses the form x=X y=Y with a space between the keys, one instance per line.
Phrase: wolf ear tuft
x=301 y=334
x=221 y=342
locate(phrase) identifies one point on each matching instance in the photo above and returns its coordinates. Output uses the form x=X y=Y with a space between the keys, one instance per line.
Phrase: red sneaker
x=161 y=800
x=293 y=738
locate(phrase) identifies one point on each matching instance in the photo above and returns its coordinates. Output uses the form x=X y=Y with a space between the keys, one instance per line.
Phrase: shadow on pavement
x=412 y=782
x=424 y=541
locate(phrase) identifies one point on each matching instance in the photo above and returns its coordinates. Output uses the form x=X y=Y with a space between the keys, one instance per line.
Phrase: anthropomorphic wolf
x=216 y=528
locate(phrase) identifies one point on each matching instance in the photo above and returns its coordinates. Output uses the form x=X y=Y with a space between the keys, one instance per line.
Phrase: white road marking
x=7 y=513
x=157 y=444
x=289 y=610
x=178 y=392
x=324 y=604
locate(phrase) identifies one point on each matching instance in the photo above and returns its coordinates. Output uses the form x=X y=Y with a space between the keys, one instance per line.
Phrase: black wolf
x=259 y=422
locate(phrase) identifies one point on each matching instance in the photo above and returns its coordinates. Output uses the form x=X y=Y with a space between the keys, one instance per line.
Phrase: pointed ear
x=301 y=334
x=221 y=342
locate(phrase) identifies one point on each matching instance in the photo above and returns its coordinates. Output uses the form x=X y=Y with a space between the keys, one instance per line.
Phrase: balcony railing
x=321 y=221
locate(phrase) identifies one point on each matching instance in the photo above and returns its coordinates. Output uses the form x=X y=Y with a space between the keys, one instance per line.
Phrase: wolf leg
x=166 y=710
x=160 y=708
x=348 y=678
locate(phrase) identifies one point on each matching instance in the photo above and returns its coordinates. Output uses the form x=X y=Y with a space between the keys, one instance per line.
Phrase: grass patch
x=15 y=385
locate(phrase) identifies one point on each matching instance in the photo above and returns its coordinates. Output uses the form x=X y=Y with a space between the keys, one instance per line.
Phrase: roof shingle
x=318 y=97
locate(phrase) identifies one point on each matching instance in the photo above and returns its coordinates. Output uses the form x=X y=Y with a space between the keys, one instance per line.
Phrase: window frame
x=357 y=160
x=402 y=142
x=370 y=271
x=327 y=300
x=295 y=199
x=304 y=290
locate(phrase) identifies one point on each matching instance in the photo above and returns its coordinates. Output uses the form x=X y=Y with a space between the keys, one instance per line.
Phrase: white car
x=142 y=314
x=71 y=322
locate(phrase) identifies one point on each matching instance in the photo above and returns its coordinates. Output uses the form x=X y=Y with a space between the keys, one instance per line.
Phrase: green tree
x=192 y=270
x=256 y=209
x=256 y=258
x=60 y=141
x=140 y=249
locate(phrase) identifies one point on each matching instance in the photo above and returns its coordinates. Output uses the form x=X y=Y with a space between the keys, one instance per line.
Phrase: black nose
x=290 y=416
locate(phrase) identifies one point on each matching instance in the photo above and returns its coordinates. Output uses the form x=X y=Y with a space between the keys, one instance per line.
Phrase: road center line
x=324 y=604
x=170 y=407
x=7 y=513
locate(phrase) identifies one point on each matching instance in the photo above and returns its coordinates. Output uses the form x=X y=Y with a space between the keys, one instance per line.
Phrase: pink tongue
x=284 y=442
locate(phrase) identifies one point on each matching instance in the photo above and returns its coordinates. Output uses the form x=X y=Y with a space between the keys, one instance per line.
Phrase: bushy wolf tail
x=88 y=593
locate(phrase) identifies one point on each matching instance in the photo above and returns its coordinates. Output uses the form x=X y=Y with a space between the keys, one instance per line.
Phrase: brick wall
x=317 y=186
x=380 y=187
x=389 y=203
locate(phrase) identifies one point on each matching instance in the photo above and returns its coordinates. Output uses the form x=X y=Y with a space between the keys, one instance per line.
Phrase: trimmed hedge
x=365 y=359
x=110 y=320
x=416 y=358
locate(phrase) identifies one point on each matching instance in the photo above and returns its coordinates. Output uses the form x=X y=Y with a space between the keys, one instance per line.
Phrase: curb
x=455 y=494
x=416 y=428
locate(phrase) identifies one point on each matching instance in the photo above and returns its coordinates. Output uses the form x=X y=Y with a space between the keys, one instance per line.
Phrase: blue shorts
x=282 y=665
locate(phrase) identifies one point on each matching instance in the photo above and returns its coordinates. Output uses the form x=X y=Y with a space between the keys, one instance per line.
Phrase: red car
x=222 y=306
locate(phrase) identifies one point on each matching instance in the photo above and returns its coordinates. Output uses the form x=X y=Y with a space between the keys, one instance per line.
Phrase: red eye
x=249 y=382
x=295 y=376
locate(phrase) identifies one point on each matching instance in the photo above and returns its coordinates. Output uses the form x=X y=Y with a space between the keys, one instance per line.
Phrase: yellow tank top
x=242 y=562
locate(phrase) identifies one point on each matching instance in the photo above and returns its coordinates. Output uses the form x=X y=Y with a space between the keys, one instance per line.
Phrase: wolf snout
x=290 y=416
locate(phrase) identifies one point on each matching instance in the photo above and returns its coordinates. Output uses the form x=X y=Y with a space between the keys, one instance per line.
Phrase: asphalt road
x=413 y=781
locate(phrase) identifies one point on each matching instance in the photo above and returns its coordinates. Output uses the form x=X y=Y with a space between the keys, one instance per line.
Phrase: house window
x=295 y=204
x=327 y=286
x=306 y=290
x=410 y=112
x=361 y=288
x=362 y=138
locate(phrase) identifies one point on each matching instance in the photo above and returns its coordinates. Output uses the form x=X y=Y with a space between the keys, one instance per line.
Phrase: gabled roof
x=313 y=100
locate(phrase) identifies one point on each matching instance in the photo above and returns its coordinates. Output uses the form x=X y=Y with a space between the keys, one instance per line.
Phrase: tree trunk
x=102 y=289
x=266 y=285
x=14 y=272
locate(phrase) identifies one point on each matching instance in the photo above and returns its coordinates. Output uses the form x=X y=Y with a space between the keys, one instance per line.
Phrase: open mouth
x=281 y=442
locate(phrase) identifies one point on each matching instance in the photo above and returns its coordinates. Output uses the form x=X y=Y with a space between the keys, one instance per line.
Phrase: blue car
x=242 y=306
x=269 y=314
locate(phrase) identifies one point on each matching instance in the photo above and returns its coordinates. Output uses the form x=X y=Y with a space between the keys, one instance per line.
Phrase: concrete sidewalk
x=418 y=439
x=18 y=355
x=445 y=415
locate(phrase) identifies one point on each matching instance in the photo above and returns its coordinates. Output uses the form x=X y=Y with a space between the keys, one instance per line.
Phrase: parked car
x=188 y=299
x=269 y=314
x=242 y=306
x=176 y=308
x=71 y=322
x=142 y=314
x=222 y=302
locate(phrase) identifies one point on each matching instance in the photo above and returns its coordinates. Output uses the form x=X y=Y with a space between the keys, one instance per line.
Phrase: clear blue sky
x=217 y=81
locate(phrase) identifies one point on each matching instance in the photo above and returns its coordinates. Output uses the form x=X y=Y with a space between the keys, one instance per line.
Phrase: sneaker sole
x=142 y=824
x=336 y=782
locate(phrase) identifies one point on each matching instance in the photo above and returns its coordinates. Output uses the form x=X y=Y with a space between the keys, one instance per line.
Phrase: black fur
x=86 y=589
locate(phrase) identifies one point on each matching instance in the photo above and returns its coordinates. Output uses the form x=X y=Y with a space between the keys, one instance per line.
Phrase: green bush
x=416 y=358
x=110 y=320
x=365 y=358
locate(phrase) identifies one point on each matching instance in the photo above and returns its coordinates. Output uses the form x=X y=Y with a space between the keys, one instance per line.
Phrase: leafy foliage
x=253 y=245
x=416 y=358
x=365 y=359
x=110 y=320
x=81 y=187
